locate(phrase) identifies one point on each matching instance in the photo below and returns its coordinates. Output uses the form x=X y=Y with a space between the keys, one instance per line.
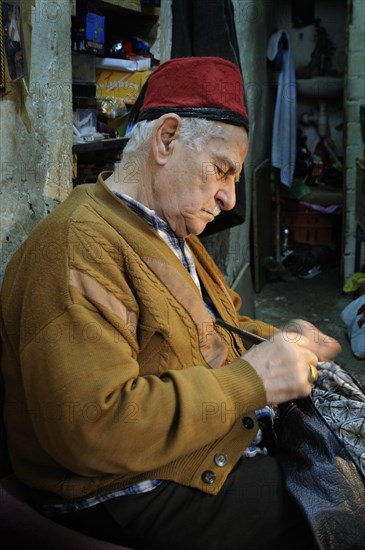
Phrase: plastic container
x=85 y=115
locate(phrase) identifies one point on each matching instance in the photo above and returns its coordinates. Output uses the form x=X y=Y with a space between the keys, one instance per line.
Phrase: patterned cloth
x=52 y=510
x=340 y=399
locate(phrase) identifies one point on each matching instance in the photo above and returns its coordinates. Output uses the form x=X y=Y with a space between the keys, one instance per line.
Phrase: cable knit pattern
x=92 y=406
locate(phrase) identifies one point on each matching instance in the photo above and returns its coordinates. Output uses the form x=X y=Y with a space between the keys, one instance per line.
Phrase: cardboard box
x=95 y=33
x=88 y=32
x=120 y=84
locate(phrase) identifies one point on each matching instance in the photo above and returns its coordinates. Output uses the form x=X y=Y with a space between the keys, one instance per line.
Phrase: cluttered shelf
x=308 y=217
x=114 y=50
x=311 y=209
x=324 y=196
x=89 y=159
x=113 y=144
x=308 y=232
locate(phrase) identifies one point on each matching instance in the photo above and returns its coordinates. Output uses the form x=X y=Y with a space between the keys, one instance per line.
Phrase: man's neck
x=127 y=179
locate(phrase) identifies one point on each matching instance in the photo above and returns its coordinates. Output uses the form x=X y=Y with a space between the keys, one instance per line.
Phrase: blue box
x=95 y=33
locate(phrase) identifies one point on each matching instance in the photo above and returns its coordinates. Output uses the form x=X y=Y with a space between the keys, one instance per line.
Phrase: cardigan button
x=248 y=423
x=208 y=477
x=221 y=460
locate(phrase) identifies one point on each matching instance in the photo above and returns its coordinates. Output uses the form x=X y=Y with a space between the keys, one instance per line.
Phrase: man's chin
x=200 y=230
x=192 y=229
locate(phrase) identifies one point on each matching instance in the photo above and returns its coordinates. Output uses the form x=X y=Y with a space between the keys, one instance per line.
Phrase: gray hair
x=193 y=131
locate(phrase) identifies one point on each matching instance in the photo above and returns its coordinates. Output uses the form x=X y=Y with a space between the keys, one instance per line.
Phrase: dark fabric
x=321 y=476
x=204 y=28
x=251 y=511
x=5 y=466
x=22 y=527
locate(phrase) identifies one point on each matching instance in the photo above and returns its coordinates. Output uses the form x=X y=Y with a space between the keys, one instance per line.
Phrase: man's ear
x=163 y=136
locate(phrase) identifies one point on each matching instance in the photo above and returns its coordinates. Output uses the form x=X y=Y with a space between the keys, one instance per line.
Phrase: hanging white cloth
x=283 y=152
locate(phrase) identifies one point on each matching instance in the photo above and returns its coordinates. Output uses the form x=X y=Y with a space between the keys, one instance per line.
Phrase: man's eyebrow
x=229 y=165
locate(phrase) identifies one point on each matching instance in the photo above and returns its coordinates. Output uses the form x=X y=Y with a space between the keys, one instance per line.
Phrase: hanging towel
x=284 y=131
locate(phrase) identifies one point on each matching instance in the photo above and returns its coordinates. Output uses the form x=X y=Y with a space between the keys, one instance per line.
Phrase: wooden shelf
x=115 y=144
x=324 y=196
x=131 y=6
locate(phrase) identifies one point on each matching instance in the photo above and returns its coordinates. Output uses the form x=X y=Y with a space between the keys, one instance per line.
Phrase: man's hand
x=283 y=361
x=324 y=346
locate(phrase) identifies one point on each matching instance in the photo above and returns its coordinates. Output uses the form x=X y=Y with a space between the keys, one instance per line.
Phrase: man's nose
x=226 y=197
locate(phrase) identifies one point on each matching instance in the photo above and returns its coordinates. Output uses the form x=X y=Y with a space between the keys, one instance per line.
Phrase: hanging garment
x=284 y=130
x=192 y=36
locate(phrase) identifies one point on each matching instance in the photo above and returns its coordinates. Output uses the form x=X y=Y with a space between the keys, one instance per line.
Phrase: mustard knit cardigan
x=114 y=371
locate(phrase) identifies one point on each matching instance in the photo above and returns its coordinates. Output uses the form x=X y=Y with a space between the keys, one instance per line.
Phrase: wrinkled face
x=194 y=186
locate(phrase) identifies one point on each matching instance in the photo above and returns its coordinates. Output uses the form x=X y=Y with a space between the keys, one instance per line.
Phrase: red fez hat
x=199 y=87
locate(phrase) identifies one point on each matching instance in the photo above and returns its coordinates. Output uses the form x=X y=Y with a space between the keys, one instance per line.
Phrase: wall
x=354 y=97
x=333 y=19
x=36 y=125
x=165 y=31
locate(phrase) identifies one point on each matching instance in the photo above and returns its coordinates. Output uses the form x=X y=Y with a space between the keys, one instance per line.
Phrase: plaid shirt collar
x=148 y=215
x=177 y=244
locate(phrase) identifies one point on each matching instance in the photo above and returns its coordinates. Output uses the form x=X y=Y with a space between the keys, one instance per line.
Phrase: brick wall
x=354 y=97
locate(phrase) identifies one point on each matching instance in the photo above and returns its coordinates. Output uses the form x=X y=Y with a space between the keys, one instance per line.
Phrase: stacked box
x=120 y=84
x=310 y=227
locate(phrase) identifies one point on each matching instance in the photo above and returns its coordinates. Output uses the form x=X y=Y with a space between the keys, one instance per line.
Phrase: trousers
x=251 y=511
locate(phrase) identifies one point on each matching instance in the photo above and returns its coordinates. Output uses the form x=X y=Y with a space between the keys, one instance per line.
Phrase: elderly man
x=132 y=414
